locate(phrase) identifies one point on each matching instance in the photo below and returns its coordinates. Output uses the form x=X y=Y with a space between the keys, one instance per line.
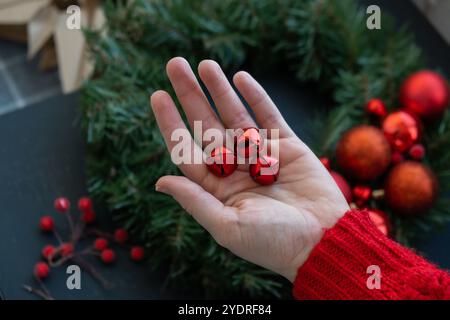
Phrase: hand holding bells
x=248 y=145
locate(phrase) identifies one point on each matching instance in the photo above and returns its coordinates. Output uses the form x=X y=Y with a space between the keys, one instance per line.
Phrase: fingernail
x=158 y=188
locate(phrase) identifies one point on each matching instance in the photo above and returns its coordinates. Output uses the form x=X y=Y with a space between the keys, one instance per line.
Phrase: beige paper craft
x=20 y=11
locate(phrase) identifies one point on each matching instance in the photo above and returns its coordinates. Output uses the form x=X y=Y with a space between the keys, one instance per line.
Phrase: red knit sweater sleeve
x=337 y=268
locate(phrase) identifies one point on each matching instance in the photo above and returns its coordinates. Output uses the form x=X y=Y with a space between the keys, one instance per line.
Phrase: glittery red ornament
x=108 y=256
x=363 y=153
x=426 y=94
x=361 y=194
x=249 y=143
x=46 y=223
x=137 y=253
x=417 y=152
x=62 y=204
x=41 y=270
x=100 y=244
x=85 y=204
x=121 y=236
x=265 y=171
x=326 y=162
x=376 y=107
x=381 y=220
x=410 y=188
x=343 y=185
x=402 y=130
x=222 y=162
x=48 y=251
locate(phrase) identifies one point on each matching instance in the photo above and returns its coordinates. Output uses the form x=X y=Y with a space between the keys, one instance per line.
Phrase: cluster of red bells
x=222 y=162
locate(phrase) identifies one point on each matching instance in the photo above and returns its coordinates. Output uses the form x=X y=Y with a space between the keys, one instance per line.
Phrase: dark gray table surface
x=41 y=157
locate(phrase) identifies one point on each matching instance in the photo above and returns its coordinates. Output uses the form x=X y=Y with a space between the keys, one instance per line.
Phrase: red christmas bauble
x=363 y=153
x=41 y=270
x=62 y=204
x=402 y=130
x=265 y=171
x=108 y=256
x=248 y=144
x=343 y=185
x=426 y=94
x=410 y=188
x=137 y=253
x=46 y=223
x=376 y=107
x=381 y=220
x=222 y=162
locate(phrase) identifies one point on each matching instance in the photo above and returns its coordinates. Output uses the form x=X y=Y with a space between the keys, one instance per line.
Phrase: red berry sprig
x=46 y=224
x=62 y=205
x=108 y=256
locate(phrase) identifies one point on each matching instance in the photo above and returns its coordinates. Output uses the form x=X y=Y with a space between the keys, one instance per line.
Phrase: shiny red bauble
x=402 y=130
x=376 y=107
x=248 y=144
x=222 y=162
x=265 y=171
x=381 y=220
x=425 y=94
x=363 y=153
x=343 y=186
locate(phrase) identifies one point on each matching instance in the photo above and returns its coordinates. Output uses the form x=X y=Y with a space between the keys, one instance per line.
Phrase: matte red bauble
x=410 y=188
x=381 y=220
x=343 y=185
x=402 y=130
x=249 y=143
x=265 y=171
x=363 y=153
x=222 y=162
x=426 y=94
x=376 y=107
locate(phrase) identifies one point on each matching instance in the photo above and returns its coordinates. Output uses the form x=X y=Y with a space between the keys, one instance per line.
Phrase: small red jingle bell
x=249 y=143
x=265 y=171
x=222 y=162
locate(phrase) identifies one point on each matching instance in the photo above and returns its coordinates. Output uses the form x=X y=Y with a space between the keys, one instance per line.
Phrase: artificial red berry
x=249 y=143
x=41 y=270
x=376 y=107
x=108 y=256
x=66 y=249
x=137 y=253
x=46 y=223
x=326 y=162
x=397 y=157
x=222 y=162
x=62 y=204
x=48 y=251
x=100 y=244
x=121 y=235
x=88 y=216
x=417 y=152
x=85 y=204
x=265 y=171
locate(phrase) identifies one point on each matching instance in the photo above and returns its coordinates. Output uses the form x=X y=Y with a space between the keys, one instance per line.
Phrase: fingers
x=169 y=119
x=231 y=110
x=266 y=112
x=204 y=207
x=190 y=94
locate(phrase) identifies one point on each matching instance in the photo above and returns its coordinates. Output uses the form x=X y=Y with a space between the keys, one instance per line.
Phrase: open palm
x=273 y=226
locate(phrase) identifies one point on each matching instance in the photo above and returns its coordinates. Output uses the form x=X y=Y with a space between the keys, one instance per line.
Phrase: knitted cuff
x=354 y=260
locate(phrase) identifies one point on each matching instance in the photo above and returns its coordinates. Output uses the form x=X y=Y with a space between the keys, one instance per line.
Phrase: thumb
x=203 y=206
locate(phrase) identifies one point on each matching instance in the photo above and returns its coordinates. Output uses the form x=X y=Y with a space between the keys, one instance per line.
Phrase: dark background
x=42 y=157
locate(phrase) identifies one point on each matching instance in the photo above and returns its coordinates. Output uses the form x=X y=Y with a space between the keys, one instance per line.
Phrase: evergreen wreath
x=324 y=41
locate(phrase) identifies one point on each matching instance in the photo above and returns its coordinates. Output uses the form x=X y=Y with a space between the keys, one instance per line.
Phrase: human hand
x=273 y=226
